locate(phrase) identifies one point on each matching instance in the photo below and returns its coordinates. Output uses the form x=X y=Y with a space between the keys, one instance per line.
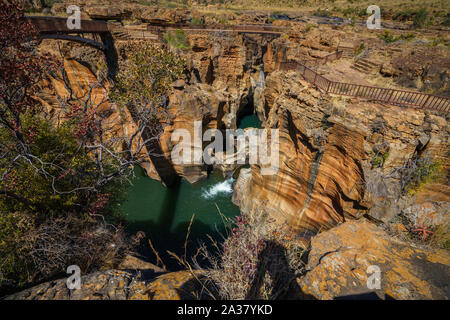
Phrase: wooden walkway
x=258 y=29
x=388 y=96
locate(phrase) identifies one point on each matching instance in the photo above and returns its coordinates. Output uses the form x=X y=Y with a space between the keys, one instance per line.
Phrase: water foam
x=221 y=187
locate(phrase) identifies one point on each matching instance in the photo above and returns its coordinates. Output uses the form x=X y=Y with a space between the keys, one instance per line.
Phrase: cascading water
x=224 y=187
x=164 y=213
x=262 y=78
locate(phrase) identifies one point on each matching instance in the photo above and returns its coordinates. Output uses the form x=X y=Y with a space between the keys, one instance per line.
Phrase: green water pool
x=249 y=121
x=164 y=213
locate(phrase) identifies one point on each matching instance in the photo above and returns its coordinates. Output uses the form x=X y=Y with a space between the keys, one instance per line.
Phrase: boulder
x=117 y=285
x=103 y=12
x=343 y=260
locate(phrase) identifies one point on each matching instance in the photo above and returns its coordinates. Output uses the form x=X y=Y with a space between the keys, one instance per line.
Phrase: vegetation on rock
x=61 y=181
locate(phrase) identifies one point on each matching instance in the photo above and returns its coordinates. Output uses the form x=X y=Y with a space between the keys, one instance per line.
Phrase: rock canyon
x=344 y=186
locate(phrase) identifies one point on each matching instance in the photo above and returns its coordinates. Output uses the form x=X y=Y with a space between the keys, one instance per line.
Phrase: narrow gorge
x=344 y=184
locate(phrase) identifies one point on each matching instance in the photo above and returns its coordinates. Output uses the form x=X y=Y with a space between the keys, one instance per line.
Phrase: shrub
x=256 y=261
x=408 y=37
x=322 y=13
x=309 y=27
x=446 y=22
x=362 y=13
x=360 y=49
x=426 y=171
x=61 y=181
x=420 y=18
x=378 y=159
x=418 y=172
x=441 y=236
x=387 y=37
x=196 y=21
x=404 y=15
x=350 y=12
x=31 y=250
x=46 y=225
x=177 y=39
x=437 y=41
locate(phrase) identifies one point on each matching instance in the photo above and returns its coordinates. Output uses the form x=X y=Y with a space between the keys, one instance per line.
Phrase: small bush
x=418 y=172
x=196 y=21
x=446 y=22
x=437 y=41
x=49 y=3
x=362 y=13
x=256 y=261
x=427 y=171
x=378 y=159
x=404 y=15
x=322 y=13
x=360 y=49
x=387 y=37
x=309 y=27
x=350 y=12
x=441 y=237
x=177 y=39
x=408 y=37
x=420 y=18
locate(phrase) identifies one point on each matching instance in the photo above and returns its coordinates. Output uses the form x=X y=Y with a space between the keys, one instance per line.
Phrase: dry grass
x=256 y=260
x=441 y=237
x=336 y=7
x=437 y=9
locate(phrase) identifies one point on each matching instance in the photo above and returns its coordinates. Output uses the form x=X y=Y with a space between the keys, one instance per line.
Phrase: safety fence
x=384 y=95
x=158 y=27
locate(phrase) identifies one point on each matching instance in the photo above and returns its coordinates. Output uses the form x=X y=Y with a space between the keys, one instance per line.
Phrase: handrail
x=59 y=24
x=217 y=27
x=389 y=96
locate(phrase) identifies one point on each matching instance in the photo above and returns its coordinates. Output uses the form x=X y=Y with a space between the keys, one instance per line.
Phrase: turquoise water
x=164 y=213
x=249 y=121
x=149 y=202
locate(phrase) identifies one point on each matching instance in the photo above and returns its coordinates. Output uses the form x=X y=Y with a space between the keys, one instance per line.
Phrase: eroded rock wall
x=222 y=70
x=327 y=150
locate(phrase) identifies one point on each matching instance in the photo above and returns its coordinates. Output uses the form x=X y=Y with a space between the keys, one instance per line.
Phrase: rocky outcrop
x=222 y=72
x=339 y=260
x=423 y=67
x=328 y=173
x=118 y=285
x=342 y=263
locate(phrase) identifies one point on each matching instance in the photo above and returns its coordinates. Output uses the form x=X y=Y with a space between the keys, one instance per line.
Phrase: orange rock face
x=327 y=153
x=219 y=85
x=116 y=285
x=339 y=260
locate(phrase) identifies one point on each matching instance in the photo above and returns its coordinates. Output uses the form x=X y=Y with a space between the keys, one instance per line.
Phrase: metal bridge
x=56 y=28
x=90 y=33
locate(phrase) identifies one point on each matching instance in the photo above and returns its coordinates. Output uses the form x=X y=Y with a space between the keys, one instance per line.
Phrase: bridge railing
x=384 y=95
x=57 y=24
x=237 y=28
